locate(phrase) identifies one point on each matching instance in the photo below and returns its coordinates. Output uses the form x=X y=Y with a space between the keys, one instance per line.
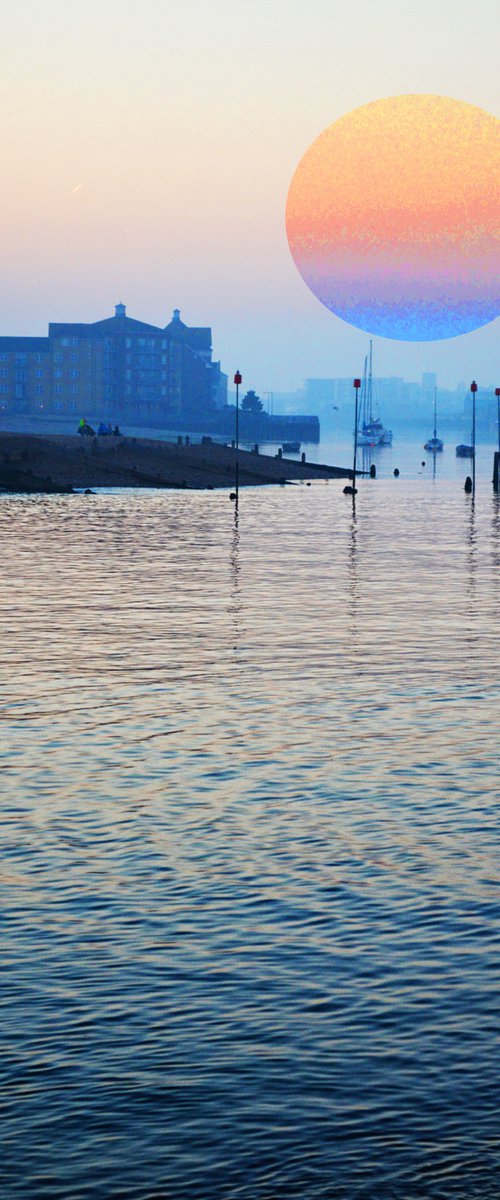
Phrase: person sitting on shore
x=85 y=429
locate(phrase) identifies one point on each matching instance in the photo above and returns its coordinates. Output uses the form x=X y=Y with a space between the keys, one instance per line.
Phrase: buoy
x=350 y=491
x=396 y=471
x=232 y=495
x=468 y=484
x=373 y=471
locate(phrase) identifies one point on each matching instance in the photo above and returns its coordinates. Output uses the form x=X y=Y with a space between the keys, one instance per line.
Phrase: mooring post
x=356 y=385
x=473 y=388
x=497 y=394
x=237 y=380
x=496 y=463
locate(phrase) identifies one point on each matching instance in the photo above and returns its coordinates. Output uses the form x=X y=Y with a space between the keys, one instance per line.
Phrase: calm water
x=250 y=844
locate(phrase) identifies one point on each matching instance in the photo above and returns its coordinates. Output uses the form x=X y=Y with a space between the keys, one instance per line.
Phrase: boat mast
x=363 y=395
x=370 y=391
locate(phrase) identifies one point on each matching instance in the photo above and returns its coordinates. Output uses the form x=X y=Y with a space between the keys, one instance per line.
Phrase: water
x=250 y=844
x=407 y=454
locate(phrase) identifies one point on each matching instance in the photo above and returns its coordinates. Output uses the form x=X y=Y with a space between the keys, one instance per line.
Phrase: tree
x=251 y=403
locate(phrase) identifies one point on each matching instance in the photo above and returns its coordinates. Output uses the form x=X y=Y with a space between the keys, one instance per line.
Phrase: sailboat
x=372 y=432
x=434 y=444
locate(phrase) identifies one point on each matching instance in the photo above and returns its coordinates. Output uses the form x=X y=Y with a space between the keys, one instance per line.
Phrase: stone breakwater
x=58 y=463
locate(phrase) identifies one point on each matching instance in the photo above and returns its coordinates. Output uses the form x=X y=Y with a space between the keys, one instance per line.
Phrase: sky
x=147 y=154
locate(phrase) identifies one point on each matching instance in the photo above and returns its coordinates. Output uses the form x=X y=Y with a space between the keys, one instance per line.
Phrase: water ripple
x=249 y=845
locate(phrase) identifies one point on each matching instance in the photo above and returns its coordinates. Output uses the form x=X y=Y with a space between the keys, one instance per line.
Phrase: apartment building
x=117 y=368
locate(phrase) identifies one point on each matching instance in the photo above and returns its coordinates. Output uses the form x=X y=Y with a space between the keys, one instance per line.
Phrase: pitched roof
x=196 y=338
x=123 y=325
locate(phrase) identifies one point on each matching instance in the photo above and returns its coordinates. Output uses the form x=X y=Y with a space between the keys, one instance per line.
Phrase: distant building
x=115 y=368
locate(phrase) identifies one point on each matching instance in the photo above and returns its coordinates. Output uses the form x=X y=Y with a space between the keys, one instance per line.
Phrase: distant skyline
x=147 y=155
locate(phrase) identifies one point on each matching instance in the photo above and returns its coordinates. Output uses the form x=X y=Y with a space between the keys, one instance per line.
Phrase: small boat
x=291 y=447
x=371 y=431
x=463 y=451
x=434 y=444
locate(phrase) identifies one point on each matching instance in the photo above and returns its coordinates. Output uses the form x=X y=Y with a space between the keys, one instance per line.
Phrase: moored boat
x=371 y=431
x=434 y=444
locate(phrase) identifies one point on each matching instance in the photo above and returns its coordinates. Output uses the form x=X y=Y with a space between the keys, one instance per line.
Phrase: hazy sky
x=147 y=154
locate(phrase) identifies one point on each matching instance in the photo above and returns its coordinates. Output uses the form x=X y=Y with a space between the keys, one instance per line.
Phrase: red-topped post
x=473 y=388
x=237 y=380
x=356 y=385
x=497 y=394
x=496 y=458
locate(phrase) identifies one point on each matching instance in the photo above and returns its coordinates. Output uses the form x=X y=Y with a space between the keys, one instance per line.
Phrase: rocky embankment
x=60 y=463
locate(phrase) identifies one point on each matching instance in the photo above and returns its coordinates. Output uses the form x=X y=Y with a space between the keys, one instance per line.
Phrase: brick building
x=113 y=369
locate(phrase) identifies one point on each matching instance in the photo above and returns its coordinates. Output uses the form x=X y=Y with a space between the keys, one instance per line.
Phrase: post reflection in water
x=352 y=578
x=235 y=606
x=495 y=529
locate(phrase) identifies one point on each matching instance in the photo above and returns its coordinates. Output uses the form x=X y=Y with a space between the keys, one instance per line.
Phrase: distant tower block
x=120 y=310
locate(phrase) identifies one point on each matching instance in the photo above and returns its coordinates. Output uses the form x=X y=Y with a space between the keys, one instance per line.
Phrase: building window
x=3 y=372
x=3 y=388
x=3 y=358
x=57 y=404
x=73 y=390
x=58 y=373
x=39 y=389
x=73 y=374
x=73 y=341
x=39 y=374
x=72 y=406
x=38 y=358
x=58 y=388
x=74 y=358
x=58 y=358
x=64 y=341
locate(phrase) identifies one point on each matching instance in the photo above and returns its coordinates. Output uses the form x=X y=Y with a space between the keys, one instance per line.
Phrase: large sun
x=393 y=217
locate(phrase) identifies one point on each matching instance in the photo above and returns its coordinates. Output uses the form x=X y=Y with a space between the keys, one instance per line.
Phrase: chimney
x=176 y=315
x=120 y=310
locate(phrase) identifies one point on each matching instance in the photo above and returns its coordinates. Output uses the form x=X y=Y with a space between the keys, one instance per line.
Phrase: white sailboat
x=372 y=431
x=434 y=444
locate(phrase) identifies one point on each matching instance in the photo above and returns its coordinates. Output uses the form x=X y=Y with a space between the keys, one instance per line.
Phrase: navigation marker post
x=473 y=388
x=497 y=394
x=237 y=380
x=356 y=385
x=496 y=458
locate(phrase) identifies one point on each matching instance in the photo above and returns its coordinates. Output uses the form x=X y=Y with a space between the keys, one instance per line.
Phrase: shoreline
x=34 y=463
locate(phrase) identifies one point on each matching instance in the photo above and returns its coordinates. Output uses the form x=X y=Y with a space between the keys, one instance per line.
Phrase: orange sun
x=393 y=216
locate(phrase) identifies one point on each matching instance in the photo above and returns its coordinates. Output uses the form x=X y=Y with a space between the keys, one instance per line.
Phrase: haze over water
x=250 y=846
